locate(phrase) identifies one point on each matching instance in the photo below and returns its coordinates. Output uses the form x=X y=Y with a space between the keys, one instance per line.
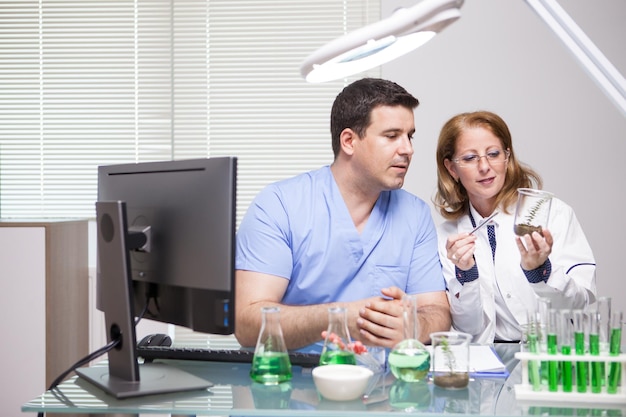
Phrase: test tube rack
x=525 y=391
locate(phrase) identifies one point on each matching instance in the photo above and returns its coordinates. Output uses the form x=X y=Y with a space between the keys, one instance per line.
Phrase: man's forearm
x=433 y=318
x=301 y=325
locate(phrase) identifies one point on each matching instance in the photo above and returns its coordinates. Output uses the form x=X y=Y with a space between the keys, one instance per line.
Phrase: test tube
x=603 y=307
x=543 y=308
x=594 y=350
x=552 y=348
x=614 y=350
x=532 y=340
x=579 y=344
x=565 y=340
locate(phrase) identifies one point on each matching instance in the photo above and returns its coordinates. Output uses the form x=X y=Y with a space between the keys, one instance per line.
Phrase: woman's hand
x=534 y=249
x=460 y=250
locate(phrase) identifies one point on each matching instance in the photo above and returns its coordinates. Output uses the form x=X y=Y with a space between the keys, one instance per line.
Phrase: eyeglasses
x=494 y=157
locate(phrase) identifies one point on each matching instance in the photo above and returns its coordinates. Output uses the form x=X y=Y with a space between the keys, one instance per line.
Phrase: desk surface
x=234 y=393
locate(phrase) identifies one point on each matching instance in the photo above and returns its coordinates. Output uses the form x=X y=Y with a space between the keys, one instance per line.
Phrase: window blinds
x=93 y=82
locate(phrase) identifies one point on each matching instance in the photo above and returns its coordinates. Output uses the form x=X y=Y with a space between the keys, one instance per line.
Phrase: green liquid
x=596 y=367
x=533 y=366
x=271 y=368
x=581 y=367
x=409 y=364
x=567 y=369
x=553 y=366
x=410 y=396
x=337 y=357
x=615 y=368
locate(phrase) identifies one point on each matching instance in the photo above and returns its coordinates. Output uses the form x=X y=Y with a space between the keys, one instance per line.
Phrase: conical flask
x=409 y=360
x=337 y=344
x=271 y=364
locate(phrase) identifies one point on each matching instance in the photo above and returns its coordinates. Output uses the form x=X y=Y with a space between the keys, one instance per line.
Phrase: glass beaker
x=337 y=343
x=409 y=360
x=271 y=364
x=532 y=211
x=450 y=359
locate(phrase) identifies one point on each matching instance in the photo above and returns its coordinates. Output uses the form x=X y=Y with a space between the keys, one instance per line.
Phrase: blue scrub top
x=300 y=229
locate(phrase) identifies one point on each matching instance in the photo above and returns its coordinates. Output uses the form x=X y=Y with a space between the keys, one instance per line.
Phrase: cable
x=96 y=354
x=105 y=349
x=84 y=361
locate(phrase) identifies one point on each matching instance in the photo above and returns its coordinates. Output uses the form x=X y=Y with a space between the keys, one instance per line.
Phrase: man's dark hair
x=353 y=106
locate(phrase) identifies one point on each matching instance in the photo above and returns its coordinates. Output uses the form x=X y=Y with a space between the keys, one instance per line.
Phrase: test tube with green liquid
x=579 y=345
x=565 y=340
x=532 y=341
x=544 y=305
x=603 y=306
x=552 y=349
x=615 y=340
x=594 y=350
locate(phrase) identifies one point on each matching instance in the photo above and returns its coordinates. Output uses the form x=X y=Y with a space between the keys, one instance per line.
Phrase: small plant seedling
x=527 y=226
x=450 y=379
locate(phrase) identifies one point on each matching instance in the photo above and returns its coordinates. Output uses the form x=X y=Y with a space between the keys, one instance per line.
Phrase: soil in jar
x=452 y=380
x=527 y=229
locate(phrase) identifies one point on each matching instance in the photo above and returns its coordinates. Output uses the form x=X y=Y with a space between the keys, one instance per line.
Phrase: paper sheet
x=483 y=361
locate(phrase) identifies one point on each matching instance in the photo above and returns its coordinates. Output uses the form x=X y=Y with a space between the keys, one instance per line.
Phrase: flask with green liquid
x=271 y=364
x=337 y=343
x=409 y=360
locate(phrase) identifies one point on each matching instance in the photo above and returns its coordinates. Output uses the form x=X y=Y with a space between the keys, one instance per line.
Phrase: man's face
x=382 y=156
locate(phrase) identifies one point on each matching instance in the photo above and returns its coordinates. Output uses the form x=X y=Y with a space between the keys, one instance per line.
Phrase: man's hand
x=381 y=321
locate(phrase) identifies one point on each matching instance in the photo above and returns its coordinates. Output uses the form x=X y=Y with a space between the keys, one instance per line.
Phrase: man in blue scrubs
x=345 y=234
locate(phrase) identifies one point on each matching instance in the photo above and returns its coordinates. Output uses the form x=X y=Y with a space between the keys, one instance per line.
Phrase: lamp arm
x=599 y=68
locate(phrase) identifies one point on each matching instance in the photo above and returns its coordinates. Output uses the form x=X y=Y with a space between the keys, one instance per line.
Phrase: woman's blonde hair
x=451 y=197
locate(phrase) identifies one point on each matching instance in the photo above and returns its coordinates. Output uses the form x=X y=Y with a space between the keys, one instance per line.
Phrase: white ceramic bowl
x=341 y=382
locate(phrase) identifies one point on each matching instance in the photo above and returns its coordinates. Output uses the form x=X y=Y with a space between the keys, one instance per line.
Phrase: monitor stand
x=125 y=377
x=154 y=378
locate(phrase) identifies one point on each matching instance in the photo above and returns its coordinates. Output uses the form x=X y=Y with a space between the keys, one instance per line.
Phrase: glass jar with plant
x=532 y=211
x=450 y=359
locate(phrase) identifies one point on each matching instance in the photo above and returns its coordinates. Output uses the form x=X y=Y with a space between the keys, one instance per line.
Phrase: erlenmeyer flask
x=271 y=364
x=409 y=360
x=337 y=344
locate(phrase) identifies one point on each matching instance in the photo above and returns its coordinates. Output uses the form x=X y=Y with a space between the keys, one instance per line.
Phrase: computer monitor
x=166 y=240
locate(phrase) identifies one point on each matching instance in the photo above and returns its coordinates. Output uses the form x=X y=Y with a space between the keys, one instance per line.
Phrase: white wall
x=501 y=57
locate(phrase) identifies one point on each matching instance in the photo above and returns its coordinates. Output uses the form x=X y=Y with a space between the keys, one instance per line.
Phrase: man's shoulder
x=405 y=198
x=302 y=179
x=293 y=190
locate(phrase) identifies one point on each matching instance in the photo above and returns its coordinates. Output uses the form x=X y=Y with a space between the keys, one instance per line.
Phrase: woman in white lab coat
x=494 y=280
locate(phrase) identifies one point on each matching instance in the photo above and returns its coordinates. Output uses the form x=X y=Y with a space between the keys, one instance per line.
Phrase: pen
x=484 y=222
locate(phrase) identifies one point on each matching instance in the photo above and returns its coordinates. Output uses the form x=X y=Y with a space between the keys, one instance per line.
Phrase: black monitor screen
x=166 y=250
x=187 y=266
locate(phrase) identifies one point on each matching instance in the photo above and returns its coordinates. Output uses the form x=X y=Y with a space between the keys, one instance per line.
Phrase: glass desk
x=235 y=394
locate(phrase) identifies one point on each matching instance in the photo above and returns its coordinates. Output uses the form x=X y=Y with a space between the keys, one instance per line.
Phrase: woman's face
x=483 y=179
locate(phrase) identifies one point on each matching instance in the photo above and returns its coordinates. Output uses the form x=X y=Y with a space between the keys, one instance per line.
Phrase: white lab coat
x=572 y=283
